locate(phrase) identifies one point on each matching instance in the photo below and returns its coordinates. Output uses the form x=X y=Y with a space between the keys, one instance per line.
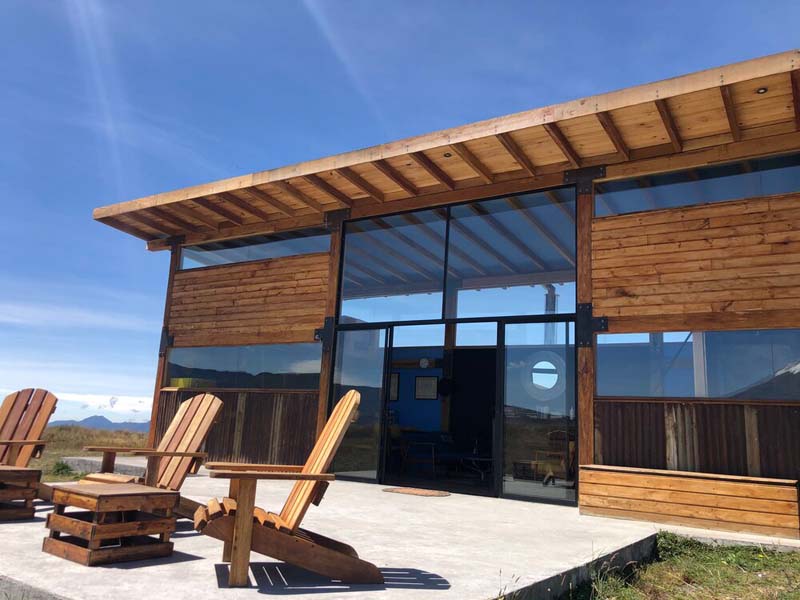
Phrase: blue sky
x=107 y=101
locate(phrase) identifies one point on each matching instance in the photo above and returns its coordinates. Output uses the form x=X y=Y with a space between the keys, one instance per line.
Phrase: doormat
x=417 y=492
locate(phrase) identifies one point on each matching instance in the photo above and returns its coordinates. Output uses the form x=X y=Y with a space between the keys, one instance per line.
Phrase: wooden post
x=174 y=263
x=752 y=442
x=233 y=494
x=328 y=358
x=586 y=357
x=242 y=534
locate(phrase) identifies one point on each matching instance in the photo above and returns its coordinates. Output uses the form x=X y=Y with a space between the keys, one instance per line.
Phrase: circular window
x=544 y=375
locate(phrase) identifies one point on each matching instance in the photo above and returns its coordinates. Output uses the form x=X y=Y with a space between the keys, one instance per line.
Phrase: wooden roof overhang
x=741 y=110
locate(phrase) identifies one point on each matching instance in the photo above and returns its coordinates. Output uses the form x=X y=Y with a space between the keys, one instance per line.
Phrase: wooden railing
x=255 y=425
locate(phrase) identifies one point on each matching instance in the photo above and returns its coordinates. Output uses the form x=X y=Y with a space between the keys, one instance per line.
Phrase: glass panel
x=394 y=268
x=539 y=426
x=476 y=334
x=513 y=256
x=259 y=247
x=359 y=365
x=759 y=177
x=278 y=366
x=752 y=365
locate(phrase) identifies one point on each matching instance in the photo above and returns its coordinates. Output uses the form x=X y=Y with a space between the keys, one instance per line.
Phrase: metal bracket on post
x=584 y=178
x=586 y=325
x=325 y=334
x=166 y=341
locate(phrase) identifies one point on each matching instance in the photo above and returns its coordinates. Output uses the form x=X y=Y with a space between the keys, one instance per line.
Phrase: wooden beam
x=166 y=215
x=190 y=213
x=396 y=233
x=322 y=185
x=669 y=125
x=474 y=163
x=142 y=218
x=127 y=228
x=432 y=169
x=287 y=188
x=554 y=199
x=517 y=153
x=434 y=235
x=245 y=206
x=795 y=76
x=386 y=249
x=483 y=245
x=540 y=227
x=359 y=182
x=376 y=258
x=730 y=112
x=508 y=235
x=271 y=201
x=586 y=358
x=219 y=210
x=607 y=123
x=555 y=133
x=395 y=176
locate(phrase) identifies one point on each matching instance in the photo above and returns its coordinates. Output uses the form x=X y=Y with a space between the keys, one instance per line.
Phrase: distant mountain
x=100 y=422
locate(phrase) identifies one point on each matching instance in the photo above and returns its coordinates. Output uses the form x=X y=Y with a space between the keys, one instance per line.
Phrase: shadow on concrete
x=184 y=529
x=281 y=579
x=175 y=557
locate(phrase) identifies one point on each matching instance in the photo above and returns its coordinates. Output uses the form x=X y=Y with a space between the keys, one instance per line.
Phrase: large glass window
x=512 y=256
x=746 y=179
x=394 y=268
x=277 y=366
x=260 y=247
x=752 y=365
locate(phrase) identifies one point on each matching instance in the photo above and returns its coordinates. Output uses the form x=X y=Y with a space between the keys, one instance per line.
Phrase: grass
x=687 y=569
x=69 y=441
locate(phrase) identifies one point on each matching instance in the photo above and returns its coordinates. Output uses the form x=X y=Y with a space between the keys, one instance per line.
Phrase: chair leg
x=233 y=493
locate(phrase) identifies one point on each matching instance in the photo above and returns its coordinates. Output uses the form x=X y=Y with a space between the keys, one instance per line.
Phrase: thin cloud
x=52 y=316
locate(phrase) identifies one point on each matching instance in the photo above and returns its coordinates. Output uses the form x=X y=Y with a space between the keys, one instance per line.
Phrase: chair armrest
x=22 y=442
x=114 y=449
x=146 y=452
x=230 y=466
x=272 y=475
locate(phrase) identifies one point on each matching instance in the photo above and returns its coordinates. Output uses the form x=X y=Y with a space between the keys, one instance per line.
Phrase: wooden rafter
x=292 y=191
x=508 y=235
x=360 y=183
x=187 y=212
x=607 y=123
x=395 y=176
x=399 y=235
x=560 y=140
x=554 y=199
x=245 y=206
x=169 y=217
x=483 y=245
x=322 y=185
x=795 y=76
x=388 y=250
x=473 y=162
x=542 y=229
x=163 y=228
x=368 y=272
x=127 y=228
x=434 y=235
x=376 y=258
x=730 y=112
x=669 y=124
x=517 y=153
x=271 y=201
x=219 y=210
x=432 y=169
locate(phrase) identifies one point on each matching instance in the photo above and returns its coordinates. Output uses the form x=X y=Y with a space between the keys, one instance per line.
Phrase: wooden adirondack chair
x=177 y=455
x=243 y=527
x=23 y=418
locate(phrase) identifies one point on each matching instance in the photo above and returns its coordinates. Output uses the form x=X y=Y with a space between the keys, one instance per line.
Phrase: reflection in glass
x=394 y=268
x=747 y=179
x=359 y=365
x=753 y=365
x=259 y=247
x=276 y=366
x=512 y=256
x=539 y=457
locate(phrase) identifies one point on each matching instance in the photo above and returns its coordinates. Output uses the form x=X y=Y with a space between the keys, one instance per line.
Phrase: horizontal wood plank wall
x=722 y=259
x=274 y=301
x=256 y=426
x=748 y=504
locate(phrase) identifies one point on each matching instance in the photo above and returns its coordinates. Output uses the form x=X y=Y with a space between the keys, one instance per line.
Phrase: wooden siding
x=723 y=259
x=749 y=504
x=274 y=301
x=255 y=426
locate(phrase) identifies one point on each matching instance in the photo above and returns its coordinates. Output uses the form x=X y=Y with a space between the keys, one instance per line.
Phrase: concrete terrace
x=460 y=546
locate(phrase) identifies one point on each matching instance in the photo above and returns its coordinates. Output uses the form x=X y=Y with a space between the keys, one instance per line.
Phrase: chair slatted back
x=187 y=432
x=24 y=416
x=319 y=461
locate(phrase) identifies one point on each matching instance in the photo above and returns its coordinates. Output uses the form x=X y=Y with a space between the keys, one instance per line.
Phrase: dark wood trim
x=560 y=140
x=328 y=350
x=669 y=125
x=730 y=112
x=707 y=321
x=607 y=123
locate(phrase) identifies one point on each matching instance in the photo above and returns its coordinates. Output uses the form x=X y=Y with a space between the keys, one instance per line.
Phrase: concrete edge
x=11 y=589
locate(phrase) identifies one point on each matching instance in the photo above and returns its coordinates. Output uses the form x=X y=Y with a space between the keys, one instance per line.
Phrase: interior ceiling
x=744 y=101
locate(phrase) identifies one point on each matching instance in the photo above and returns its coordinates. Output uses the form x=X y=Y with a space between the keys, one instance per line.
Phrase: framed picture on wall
x=426 y=388
x=394 y=387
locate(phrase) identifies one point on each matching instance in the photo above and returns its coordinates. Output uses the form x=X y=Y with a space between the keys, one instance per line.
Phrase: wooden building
x=596 y=302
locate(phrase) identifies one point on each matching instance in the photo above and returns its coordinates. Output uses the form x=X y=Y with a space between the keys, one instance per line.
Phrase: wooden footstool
x=18 y=488
x=116 y=524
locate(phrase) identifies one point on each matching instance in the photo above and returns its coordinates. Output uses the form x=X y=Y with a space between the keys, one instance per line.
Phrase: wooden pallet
x=117 y=523
x=18 y=489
